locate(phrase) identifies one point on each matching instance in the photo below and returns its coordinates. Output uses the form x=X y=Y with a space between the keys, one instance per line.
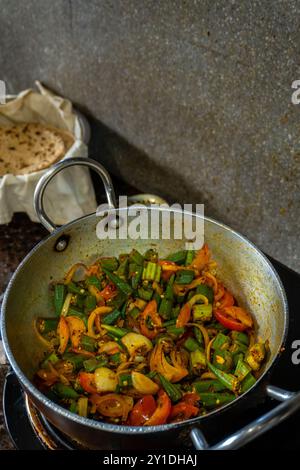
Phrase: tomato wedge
x=228 y=321
x=108 y=292
x=191 y=398
x=142 y=411
x=150 y=316
x=86 y=380
x=162 y=411
x=184 y=316
x=182 y=411
x=227 y=300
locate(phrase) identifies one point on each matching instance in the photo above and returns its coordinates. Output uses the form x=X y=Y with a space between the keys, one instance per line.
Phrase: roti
x=29 y=147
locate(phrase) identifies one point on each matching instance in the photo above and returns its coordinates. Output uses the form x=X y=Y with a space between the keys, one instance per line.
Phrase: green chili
x=119 y=283
x=115 y=331
x=230 y=381
x=179 y=257
x=212 y=400
x=109 y=264
x=111 y=317
x=202 y=312
x=191 y=344
x=207 y=291
x=171 y=389
x=184 y=276
x=136 y=257
x=64 y=391
x=208 y=386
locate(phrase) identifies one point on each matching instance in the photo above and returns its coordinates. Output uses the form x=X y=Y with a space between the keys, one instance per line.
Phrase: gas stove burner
x=49 y=437
x=28 y=428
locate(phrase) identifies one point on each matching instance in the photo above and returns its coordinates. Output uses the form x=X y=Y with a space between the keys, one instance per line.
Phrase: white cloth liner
x=70 y=194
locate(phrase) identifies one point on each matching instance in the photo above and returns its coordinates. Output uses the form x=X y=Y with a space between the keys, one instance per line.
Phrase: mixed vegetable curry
x=142 y=341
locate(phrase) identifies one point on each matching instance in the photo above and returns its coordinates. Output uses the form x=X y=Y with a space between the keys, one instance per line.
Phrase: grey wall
x=192 y=98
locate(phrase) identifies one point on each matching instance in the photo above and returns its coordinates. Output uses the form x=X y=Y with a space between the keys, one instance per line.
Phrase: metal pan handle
x=53 y=170
x=291 y=403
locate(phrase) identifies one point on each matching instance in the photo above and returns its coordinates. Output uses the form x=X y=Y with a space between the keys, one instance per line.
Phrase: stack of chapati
x=29 y=147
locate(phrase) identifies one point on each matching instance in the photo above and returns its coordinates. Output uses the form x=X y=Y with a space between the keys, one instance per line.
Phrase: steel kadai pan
x=242 y=267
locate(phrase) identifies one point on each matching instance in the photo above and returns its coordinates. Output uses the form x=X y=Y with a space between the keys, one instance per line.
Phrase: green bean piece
x=145 y=294
x=93 y=281
x=208 y=386
x=175 y=311
x=191 y=344
x=115 y=330
x=52 y=357
x=151 y=255
x=202 y=312
x=198 y=336
x=230 y=381
x=116 y=358
x=223 y=360
x=125 y=380
x=75 y=289
x=122 y=270
x=171 y=389
x=157 y=299
x=59 y=297
x=118 y=301
x=87 y=343
x=240 y=337
x=73 y=406
x=134 y=312
x=136 y=257
x=119 y=283
x=242 y=370
x=197 y=360
x=190 y=255
x=169 y=323
x=149 y=272
x=179 y=257
x=64 y=391
x=90 y=303
x=207 y=291
x=237 y=357
x=173 y=331
x=111 y=317
x=248 y=382
x=109 y=264
x=165 y=308
x=75 y=359
x=184 y=276
x=45 y=325
x=237 y=348
x=221 y=341
x=135 y=272
x=212 y=400
x=92 y=364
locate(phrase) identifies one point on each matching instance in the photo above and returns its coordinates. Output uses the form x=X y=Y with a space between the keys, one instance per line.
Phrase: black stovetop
x=285 y=374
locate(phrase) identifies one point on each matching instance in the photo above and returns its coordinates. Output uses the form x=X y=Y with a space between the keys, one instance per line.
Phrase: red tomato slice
x=86 y=380
x=182 y=411
x=150 y=313
x=142 y=411
x=228 y=321
x=162 y=411
x=227 y=300
x=108 y=292
x=184 y=316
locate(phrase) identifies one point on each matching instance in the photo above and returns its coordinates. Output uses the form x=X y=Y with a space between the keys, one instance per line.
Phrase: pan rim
x=116 y=428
